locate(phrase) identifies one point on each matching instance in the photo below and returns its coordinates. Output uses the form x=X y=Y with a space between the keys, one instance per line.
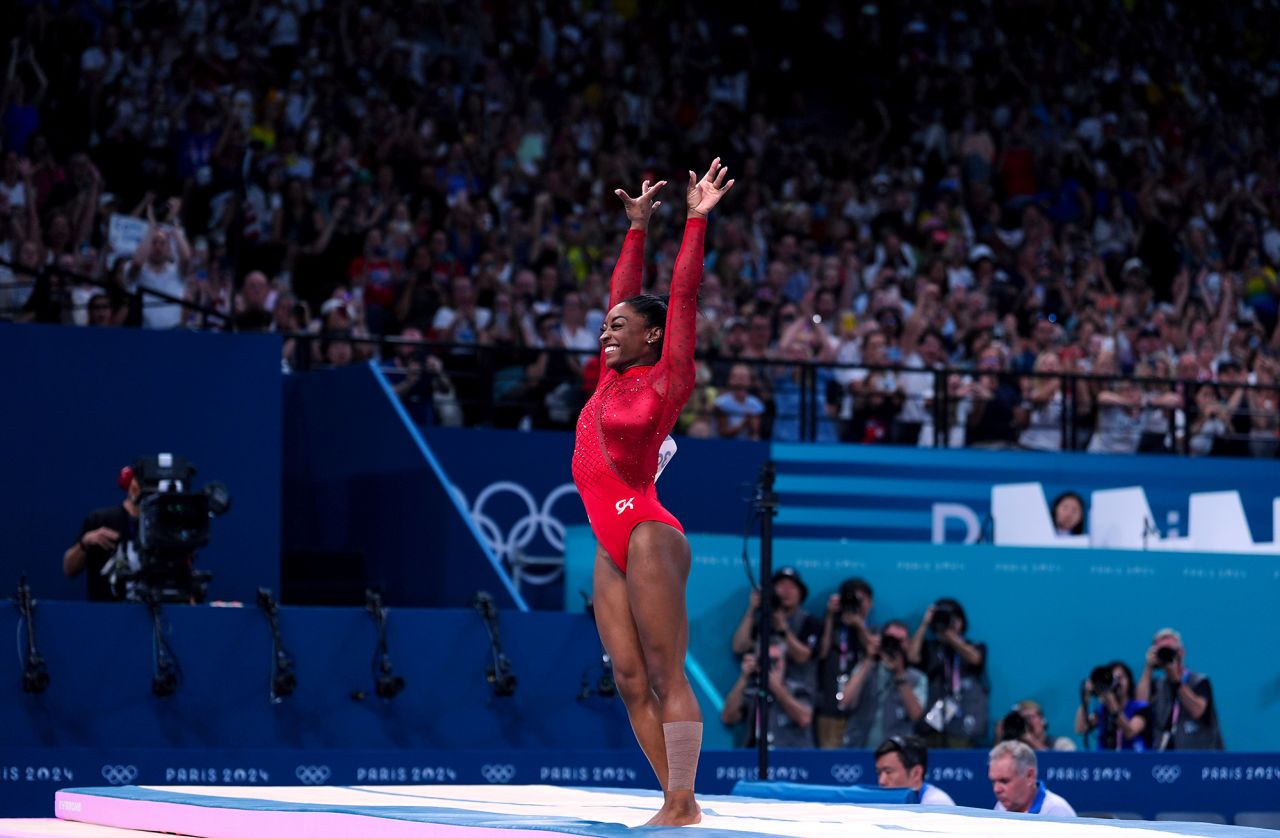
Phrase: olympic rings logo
x=1166 y=773
x=119 y=775
x=536 y=520
x=498 y=773
x=312 y=775
x=847 y=774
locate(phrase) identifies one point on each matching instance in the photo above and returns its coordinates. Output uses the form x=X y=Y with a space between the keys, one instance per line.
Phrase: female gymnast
x=642 y=563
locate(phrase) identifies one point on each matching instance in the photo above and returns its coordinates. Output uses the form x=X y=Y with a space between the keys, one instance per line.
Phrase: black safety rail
x=515 y=386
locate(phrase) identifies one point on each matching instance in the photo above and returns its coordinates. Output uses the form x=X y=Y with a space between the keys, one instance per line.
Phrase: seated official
x=790 y=700
x=1011 y=767
x=902 y=762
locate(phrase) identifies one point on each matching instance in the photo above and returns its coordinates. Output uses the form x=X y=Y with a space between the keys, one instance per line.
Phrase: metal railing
x=508 y=386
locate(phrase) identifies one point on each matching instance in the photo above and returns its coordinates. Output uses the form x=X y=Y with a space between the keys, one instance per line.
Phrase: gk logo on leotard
x=623 y=505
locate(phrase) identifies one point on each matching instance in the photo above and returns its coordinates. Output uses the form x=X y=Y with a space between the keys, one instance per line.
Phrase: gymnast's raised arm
x=679 y=337
x=628 y=273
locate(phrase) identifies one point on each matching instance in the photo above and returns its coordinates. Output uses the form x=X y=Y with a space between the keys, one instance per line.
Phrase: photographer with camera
x=1107 y=707
x=1026 y=723
x=901 y=763
x=844 y=639
x=1183 y=715
x=797 y=627
x=791 y=718
x=145 y=549
x=108 y=539
x=956 y=669
x=884 y=696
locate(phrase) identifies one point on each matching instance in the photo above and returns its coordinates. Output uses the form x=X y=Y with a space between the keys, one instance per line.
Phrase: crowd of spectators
x=1001 y=188
x=844 y=680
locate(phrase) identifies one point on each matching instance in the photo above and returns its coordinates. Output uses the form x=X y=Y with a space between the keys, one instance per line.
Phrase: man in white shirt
x=155 y=267
x=902 y=762
x=1011 y=767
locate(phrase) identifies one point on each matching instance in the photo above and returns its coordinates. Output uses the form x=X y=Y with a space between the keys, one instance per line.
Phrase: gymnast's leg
x=658 y=560
x=618 y=633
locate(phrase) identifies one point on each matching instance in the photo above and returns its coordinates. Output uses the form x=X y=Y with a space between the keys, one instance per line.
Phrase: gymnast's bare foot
x=678 y=809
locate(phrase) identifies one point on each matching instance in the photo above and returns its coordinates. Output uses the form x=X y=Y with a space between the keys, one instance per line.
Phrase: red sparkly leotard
x=625 y=421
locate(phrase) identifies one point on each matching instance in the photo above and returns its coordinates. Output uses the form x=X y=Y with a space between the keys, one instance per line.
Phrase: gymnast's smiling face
x=627 y=340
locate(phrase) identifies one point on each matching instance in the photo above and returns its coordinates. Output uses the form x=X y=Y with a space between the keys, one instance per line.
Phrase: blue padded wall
x=81 y=403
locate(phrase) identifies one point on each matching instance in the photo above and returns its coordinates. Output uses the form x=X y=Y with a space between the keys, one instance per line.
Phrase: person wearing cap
x=1183 y=714
x=797 y=627
x=902 y=762
x=1134 y=265
x=108 y=535
x=1012 y=770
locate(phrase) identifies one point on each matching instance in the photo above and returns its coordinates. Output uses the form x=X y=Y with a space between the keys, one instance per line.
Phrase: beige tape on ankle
x=684 y=743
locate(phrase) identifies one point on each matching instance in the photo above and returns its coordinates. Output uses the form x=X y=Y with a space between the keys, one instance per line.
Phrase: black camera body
x=173 y=523
x=851 y=600
x=1102 y=679
x=943 y=618
x=1166 y=655
x=890 y=647
x=1012 y=726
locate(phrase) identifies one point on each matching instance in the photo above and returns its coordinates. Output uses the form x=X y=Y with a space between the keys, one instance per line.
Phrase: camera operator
x=1026 y=723
x=901 y=763
x=1107 y=706
x=1183 y=715
x=956 y=668
x=107 y=536
x=844 y=639
x=791 y=717
x=797 y=627
x=885 y=697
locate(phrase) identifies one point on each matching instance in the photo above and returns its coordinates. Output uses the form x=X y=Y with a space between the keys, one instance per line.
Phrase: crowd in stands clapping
x=1083 y=188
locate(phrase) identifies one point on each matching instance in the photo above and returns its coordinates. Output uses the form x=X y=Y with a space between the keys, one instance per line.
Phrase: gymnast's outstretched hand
x=641 y=207
x=706 y=193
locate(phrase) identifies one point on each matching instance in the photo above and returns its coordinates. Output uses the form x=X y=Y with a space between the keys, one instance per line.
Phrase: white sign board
x=125 y=234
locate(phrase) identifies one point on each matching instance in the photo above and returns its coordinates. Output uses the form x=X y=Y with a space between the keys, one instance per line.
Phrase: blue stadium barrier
x=1047 y=616
x=1146 y=784
x=82 y=403
x=360 y=479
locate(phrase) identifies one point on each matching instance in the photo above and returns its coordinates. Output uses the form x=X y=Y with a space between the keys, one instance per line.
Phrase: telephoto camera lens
x=890 y=646
x=1102 y=679
x=942 y=618
x=1166 y=655
x=1012 y=726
